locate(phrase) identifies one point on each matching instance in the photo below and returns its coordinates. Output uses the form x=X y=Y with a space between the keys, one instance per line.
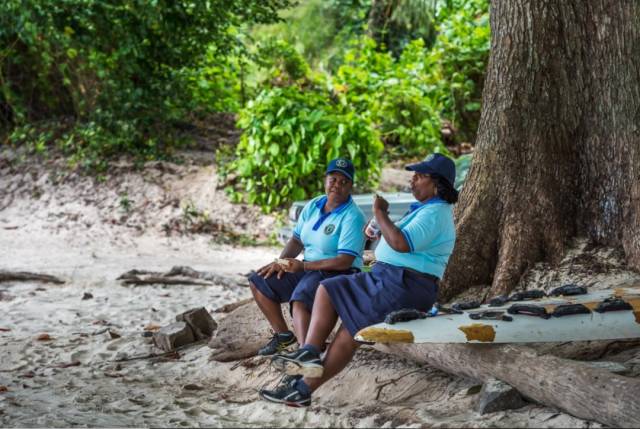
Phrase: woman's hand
x=380 y=204
x=294 y=265
x=271 y=269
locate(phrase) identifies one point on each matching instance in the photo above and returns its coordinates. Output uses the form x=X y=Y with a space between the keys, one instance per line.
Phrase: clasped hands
x=281 y=266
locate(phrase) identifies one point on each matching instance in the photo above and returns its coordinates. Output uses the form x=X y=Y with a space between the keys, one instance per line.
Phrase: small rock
x=497 y=395
x=147 y=334
x=3 y=389
x=68 y=364
x=200 y=321
x=113 y=334
x=192 y=387
x=86 y=296
x=43 y=337
x=172 y=336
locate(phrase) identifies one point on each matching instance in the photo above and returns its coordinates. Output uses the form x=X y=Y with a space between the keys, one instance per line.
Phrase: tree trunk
x=575 y=387
x=558 y=147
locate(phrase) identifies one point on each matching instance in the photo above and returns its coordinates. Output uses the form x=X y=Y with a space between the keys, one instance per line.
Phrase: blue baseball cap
x=438 y=165
x=342 y=165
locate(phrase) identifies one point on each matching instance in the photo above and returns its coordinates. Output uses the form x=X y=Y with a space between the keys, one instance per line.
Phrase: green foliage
x=319 y=29
x=118 y=68
x=395 y=94
x=303 y=119
x=290 y=134
x=459 y=58
x=409 y=97
x=285 y=66
x=393 y=24
x=219 y=83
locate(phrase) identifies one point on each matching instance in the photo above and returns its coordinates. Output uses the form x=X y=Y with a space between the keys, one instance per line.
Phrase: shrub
x=117 y=68
x=290 y=134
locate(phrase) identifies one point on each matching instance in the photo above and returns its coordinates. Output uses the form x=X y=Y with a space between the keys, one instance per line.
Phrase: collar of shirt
x=417 y=205
x=323 y=216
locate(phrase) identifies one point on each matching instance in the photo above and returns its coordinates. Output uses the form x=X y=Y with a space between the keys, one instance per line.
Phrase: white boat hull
x=460 y=328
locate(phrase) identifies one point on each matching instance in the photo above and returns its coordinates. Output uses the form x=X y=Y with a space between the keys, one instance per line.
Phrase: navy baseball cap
x=342 y=165
x=436 y=164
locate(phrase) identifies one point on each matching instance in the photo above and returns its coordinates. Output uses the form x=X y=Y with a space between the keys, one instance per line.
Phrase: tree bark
x=558 y=147
x=575 y=387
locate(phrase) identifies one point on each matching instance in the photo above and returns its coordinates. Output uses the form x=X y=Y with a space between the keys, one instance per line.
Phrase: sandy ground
x=88 y=233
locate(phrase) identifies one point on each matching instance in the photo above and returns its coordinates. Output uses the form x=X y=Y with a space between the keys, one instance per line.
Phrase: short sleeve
x=351 y=240
x=302 y=219
x=422 y=229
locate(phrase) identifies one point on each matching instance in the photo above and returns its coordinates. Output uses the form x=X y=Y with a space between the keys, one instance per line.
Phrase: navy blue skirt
x=291 y=287
x=364 y=299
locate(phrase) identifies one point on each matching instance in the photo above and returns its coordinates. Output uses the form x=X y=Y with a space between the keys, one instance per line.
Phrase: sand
x=80 y=231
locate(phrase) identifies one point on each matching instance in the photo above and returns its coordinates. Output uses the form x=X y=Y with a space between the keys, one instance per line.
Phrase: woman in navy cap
x=330 y=232
x=411 y=258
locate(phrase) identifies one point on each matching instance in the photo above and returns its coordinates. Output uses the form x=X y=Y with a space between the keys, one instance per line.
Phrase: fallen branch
x=178 y=275
x=162 y=280
x=160 y=355
x=23 y=276
x=172 y=353
x=583 y=391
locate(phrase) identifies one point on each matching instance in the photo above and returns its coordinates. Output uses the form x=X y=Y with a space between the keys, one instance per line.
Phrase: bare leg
x=323 y=319
x=338 y=356
x=271 y=310
x=301 y=318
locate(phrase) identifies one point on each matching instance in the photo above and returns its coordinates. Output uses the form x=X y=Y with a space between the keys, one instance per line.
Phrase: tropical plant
x=115 y=68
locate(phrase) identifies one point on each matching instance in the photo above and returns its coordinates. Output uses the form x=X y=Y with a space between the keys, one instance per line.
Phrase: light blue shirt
x=326 y=235
x=430 y=233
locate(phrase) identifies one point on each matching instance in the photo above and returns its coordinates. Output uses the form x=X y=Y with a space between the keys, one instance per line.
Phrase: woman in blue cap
x=330 y=232
x=411 y=258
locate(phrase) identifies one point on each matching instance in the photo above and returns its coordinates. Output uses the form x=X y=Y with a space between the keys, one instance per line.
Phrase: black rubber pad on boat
x=569 y=310
x=528 y=310
x=612 y=304
x=568 y=290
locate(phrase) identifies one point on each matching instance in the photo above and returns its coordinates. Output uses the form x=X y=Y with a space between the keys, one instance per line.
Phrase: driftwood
x=575 y=387
x=179 y=275
x=241 y=333
x=22 y=276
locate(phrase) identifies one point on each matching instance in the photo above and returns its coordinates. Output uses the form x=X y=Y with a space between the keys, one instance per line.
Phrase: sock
x=311 y=348
x=285 y=335
x=302 y=387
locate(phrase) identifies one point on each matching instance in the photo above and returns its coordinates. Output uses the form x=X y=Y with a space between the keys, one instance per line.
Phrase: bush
x=395 y=94
x=117 y=68
x=290 y=134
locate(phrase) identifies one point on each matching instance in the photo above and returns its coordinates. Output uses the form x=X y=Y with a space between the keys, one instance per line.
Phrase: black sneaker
x=300 y=362
x=286 y=393
x=278 y=344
